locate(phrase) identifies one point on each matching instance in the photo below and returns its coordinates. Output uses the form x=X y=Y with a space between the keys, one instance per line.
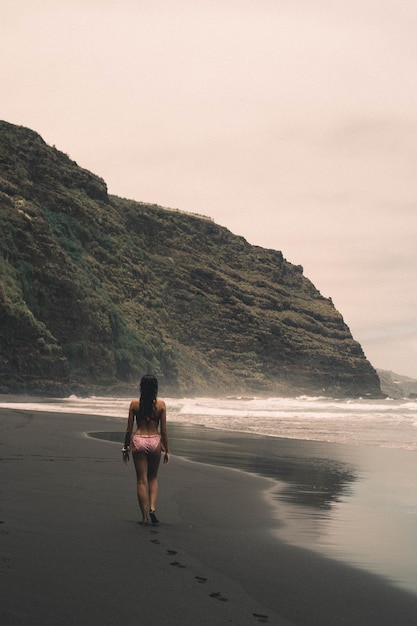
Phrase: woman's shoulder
x=160 y=404
x=134 y=405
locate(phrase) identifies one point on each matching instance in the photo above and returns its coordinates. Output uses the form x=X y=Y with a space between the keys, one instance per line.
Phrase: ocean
x=341 y=475
x=384 y=423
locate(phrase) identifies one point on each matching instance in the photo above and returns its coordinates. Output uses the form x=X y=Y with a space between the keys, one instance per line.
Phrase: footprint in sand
x=155 y=541
x=177 y=564
x=201 y=579
x=172 y=552
x=218 y=596
x=261 y=618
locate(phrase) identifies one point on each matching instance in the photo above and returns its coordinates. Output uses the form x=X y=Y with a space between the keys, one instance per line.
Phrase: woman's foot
x=153 y=517
x=143 y=522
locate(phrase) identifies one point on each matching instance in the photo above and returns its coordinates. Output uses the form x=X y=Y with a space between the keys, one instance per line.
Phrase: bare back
x=150 y=424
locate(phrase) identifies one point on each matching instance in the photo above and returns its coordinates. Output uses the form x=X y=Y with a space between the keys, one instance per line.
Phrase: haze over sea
x=342 y=473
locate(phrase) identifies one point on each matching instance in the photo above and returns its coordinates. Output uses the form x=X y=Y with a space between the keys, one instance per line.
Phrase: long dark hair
x=148 y=394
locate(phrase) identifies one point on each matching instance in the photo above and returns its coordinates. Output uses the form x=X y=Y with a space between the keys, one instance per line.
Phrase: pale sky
x=291 y=122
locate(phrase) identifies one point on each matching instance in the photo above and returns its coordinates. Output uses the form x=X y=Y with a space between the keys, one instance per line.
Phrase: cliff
x=96 y=290
x=397 y=386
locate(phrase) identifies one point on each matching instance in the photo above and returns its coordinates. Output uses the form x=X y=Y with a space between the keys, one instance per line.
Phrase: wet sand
x=73 y=552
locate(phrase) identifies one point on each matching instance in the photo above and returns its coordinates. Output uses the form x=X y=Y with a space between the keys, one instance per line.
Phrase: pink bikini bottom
x=147 y=444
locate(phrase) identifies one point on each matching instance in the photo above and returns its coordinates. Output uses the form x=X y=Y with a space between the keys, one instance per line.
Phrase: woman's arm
x=163 y=429
x=129 y=428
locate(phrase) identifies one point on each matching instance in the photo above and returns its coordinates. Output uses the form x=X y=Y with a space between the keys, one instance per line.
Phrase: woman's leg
x=152 y=475
x=140 y=462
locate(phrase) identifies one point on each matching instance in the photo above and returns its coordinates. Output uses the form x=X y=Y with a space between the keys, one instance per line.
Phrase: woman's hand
x=125 y=452
x=166 y=458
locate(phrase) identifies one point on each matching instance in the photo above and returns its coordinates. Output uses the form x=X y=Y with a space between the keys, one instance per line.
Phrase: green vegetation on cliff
x=96 y=290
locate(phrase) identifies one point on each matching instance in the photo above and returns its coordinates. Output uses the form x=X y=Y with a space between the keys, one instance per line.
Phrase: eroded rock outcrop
x=95 y=290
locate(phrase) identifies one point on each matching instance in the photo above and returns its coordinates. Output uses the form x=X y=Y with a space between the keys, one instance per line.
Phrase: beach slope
x=73 y=552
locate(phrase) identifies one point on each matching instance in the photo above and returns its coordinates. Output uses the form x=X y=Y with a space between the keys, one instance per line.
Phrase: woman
x=147 y=443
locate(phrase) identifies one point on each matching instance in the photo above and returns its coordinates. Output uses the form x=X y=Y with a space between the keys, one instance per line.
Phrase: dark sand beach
x=73 y=552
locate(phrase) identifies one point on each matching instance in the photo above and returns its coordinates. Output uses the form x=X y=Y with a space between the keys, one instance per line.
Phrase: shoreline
x=326 y=497
x=71 y=541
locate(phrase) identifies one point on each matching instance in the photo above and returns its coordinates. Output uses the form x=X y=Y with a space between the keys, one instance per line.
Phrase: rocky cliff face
x=96 y=290
x=396 y=386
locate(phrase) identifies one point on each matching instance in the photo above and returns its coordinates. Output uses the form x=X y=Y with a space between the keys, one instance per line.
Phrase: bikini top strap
x=147 y=419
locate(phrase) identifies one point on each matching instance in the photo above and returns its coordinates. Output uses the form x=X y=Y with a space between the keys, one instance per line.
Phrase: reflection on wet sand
x=306 y=480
